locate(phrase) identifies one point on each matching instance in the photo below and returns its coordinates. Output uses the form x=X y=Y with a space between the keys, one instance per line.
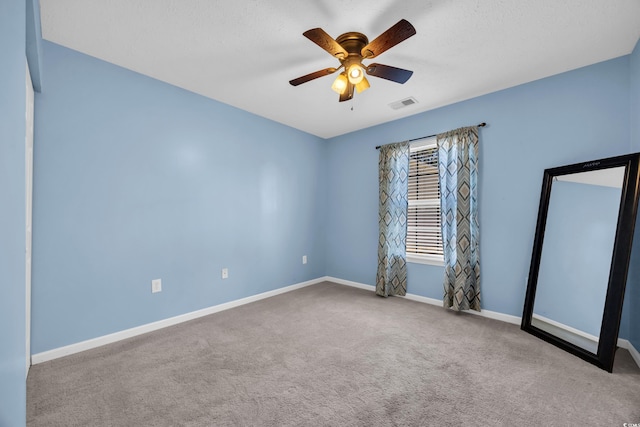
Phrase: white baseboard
x=622 y=343
x=569 y=329
x=582 y=339
x=432 y=301
x=150 y=327
x=350 y=283
x=508 y=318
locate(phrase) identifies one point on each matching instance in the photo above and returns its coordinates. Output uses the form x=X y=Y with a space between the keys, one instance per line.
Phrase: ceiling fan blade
x=325 y=41
x=398 y=75
x=311 y=76
x=401 y=31
x=348 y=93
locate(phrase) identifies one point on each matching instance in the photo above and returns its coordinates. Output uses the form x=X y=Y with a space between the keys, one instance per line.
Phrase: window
x=424 y=236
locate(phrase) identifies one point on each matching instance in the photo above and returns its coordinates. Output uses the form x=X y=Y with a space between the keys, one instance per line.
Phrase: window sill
x=425 y=259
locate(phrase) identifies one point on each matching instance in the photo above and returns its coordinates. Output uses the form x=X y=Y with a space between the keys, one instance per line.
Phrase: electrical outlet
x=225 y=273
x=304 y=259
x=156 y=286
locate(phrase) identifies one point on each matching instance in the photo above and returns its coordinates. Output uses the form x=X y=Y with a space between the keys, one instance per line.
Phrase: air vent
x=403 y=103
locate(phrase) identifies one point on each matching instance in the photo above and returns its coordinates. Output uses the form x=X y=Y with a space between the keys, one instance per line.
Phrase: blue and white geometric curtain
x=458 y=170
x=393 y=173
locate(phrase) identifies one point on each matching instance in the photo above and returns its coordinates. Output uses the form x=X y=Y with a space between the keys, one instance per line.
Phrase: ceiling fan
x=351 y=49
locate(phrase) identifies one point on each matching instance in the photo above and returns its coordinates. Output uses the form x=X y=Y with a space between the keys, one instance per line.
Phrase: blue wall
x=576 y=255
x=635 y=97
x=12 y=213
x=567 y=118
x=137 y=180
x=634 y=271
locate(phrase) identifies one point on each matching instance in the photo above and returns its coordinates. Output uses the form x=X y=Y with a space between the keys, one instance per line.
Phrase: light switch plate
x=156 y=286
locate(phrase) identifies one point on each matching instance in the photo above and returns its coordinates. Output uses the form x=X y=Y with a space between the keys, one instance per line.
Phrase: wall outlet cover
x=156 y=286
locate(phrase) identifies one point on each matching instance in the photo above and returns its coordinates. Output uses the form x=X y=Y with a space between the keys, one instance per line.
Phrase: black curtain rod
x=481 y=125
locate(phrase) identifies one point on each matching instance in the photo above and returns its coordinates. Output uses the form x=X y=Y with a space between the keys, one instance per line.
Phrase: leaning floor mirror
x=581 y=255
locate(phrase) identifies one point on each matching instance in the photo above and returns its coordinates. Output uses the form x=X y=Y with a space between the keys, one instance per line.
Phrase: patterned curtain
x=393 y=173
x=458 y=170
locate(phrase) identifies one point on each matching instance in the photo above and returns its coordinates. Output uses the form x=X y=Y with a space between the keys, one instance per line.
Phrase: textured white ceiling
x=244 y=52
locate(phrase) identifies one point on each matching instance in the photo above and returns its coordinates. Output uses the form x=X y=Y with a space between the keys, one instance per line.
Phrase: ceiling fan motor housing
x=353 y=42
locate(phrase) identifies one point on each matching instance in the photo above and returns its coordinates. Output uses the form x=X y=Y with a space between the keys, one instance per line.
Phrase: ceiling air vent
x=403 y=103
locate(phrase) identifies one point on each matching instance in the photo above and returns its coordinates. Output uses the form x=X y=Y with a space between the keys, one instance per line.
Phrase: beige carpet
x=330 y=355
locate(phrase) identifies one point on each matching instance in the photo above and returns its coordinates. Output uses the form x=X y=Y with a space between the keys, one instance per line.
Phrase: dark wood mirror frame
x=620 y=259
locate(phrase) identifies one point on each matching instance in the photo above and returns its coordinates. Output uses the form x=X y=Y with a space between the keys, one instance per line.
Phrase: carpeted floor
x=330 y=355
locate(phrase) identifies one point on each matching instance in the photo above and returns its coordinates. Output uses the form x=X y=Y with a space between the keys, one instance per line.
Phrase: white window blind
x=424 y=236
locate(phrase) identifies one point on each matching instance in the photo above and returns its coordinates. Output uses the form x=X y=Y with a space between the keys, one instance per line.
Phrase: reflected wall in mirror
x=579 y=236
x=581 y=256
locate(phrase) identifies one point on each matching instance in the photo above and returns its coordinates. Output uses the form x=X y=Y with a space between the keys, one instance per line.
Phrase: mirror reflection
x=577 y=254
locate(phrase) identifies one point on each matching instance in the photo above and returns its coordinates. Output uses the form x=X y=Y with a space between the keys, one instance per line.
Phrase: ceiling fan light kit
x=351 y=49
x=356 y=73
x=340 y=84
x=363 y=85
